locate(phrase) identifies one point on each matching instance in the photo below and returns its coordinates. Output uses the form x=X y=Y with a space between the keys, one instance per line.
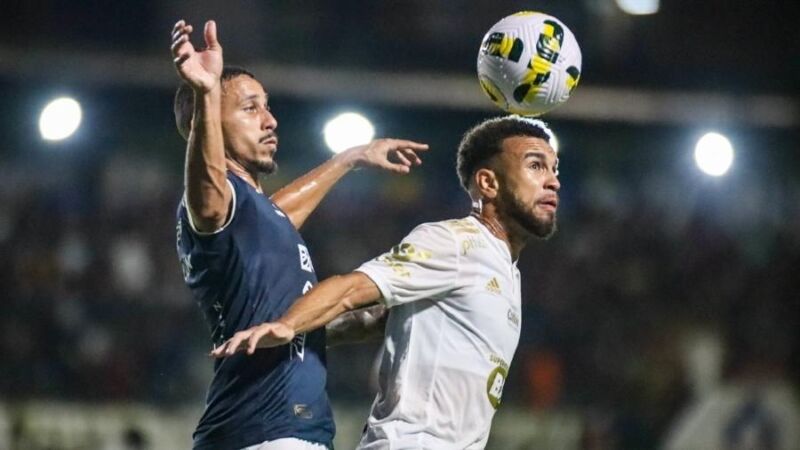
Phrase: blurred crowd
x=648 y=296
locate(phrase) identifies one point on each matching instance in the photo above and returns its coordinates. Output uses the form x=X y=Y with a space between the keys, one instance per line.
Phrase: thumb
x=210 y=33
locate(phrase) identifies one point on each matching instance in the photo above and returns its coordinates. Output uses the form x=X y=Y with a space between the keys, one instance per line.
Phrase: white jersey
x=454 y=321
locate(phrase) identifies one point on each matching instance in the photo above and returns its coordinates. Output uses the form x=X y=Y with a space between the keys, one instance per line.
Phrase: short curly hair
x=485 y=140
x=184 y=99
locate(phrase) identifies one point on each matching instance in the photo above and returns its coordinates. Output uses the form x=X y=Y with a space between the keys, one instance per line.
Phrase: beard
x=525 y=216
x=265 y=167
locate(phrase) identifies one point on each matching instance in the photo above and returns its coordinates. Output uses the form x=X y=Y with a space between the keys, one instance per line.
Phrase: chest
x=488 y=299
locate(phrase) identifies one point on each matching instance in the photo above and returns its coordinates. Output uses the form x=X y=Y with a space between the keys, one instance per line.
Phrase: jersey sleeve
x=231 y=213
x=425 y=265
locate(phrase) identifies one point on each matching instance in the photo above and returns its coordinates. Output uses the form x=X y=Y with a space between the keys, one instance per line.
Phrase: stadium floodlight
x=639 y=7
x=59 y=119
x=347 y=130
x=713 y=154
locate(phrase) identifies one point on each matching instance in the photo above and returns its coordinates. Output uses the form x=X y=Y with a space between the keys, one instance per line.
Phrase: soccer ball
x=529 y=63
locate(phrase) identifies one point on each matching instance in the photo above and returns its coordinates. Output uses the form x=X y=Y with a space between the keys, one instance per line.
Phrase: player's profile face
x=248 y=125
x=529 y=184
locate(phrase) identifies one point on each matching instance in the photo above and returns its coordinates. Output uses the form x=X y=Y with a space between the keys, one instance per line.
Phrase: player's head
x=508 y=162
x=248 y=126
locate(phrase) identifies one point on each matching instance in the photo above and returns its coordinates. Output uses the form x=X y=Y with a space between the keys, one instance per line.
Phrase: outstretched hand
x=200 y=68
x=394 y=155
x=269 y=334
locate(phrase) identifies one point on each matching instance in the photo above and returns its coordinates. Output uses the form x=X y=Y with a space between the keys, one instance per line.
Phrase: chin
x=265 y=167
x=542 y=228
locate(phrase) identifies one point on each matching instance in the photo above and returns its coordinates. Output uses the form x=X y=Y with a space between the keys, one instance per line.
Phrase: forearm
x=357 y=326
x=301 y=197
x=330 y=299
x=206 y=190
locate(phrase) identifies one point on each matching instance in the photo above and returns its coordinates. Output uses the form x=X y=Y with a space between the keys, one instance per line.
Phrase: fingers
x=181 y=28
x=405 y=152
x=399 y=156
x=411 y=156
x=178 y=25
x=210 y=33
x=252 y=343
x=248 y=341
x=181 y=48
x=403 y=143
x=232 y=344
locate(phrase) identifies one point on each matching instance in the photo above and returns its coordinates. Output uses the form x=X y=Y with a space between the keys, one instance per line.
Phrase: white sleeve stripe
x=225 y=225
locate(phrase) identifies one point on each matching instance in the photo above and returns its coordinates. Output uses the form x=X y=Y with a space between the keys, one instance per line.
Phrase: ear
x=486 y=183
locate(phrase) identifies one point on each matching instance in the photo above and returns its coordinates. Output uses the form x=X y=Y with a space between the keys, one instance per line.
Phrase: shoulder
x=432 y=234
x=463 y=235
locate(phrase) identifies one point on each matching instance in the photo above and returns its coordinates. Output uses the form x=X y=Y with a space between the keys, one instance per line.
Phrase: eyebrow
x=253 y=97
x=535 y=154
x=540 y=155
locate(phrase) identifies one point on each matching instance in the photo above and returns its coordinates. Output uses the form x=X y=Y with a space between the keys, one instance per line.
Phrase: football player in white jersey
x=453 y=293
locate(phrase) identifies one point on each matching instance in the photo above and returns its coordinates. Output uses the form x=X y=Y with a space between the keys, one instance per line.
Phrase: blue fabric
x=248 y=273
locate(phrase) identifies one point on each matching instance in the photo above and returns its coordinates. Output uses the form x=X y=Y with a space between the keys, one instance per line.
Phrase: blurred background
x=663 y=314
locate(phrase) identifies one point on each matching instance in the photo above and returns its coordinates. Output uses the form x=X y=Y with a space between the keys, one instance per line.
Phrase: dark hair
x=184 y=99
x=485 y=140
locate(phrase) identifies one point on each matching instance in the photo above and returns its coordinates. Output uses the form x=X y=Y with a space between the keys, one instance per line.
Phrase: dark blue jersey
x=247 y=273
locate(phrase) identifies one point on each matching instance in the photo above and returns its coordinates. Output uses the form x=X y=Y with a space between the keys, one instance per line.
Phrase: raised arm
x=299 y=198
x=319 y=306
x=208 y=195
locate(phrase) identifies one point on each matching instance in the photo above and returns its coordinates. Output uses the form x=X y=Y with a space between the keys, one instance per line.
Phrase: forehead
x=241 y=87
x=517 y=147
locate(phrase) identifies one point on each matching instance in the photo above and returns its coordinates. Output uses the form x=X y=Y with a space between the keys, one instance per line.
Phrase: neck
x=241 y=172
x=512 y=236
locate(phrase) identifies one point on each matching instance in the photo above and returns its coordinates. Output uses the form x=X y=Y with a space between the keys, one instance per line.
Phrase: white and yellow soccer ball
x=529 y=63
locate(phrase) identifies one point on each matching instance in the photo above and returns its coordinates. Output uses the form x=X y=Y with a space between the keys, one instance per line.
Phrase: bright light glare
x=348 y=130
x=639 y=7
x=713 y=154
x=59 y=119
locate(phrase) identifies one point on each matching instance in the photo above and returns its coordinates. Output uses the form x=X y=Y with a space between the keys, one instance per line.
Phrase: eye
x=536 y=165
x=250 y=108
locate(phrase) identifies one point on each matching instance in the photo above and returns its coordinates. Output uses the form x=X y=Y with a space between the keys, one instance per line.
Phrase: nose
x=552 y=183
x=268 y=121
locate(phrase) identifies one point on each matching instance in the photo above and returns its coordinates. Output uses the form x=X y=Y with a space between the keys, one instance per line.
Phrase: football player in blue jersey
x=242 y=256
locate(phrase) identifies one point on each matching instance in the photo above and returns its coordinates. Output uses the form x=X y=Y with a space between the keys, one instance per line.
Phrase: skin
x=519 y=193
x=234 y=130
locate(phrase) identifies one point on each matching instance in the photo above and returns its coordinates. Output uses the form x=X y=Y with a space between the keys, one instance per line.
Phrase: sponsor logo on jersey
x=496 y=380
x=305 y=259
x=494 y=385
x=298 y=347
x=513 y=318
x=307 y=287
x=401 y=254
x=302 y=411
x=408 y=252
x=470 y=244
x=397 y=267
x=493 y=286
x=462 y=226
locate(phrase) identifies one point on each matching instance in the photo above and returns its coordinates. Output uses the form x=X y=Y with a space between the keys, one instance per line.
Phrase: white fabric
x=287 y=444
x=453 y=327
